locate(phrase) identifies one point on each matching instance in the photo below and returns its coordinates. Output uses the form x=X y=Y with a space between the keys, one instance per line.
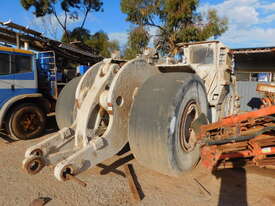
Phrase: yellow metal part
x=9 y=49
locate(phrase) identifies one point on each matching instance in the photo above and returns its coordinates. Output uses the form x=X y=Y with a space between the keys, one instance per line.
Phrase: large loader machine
x=152 y=106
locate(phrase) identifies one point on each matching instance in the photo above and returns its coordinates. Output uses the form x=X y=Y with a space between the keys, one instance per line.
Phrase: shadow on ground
x=233 y=188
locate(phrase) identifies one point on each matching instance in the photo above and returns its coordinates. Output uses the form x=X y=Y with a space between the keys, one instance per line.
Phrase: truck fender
x=13 y=100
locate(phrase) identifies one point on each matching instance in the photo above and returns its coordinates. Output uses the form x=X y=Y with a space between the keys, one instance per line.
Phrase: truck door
x=6 y=78
x=23 y=68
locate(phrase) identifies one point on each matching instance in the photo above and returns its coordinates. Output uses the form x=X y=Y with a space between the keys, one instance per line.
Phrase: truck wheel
x=160 y=133
x=26 y=121
x=65 y=105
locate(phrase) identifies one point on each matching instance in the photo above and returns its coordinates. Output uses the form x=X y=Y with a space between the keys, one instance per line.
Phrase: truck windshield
x=4 y=64
x=201 y=55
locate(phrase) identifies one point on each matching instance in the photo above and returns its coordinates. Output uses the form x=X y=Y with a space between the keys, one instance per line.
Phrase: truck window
x=202 y=55
x=22 y=64
x=4 y=64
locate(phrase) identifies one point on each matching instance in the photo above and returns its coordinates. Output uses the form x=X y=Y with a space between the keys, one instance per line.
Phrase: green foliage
x=71 y=9
x=129 y=53
x=43 y=7
x=77 y=34
x=176 y=20
x=101 y=43
x=138 y=40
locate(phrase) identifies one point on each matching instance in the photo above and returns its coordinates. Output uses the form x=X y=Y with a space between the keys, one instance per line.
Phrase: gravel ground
x=107 y=185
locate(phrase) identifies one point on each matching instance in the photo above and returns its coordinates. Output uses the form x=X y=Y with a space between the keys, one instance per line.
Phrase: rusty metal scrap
x=243 y=139
x=268 y=91
x=77 y=180
x=249 y=136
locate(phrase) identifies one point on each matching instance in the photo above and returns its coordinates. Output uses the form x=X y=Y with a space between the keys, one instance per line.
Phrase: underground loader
x=152 y=105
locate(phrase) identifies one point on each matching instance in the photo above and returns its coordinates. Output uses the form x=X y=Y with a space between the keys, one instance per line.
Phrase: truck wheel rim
x=187 y=135
x=29 y=122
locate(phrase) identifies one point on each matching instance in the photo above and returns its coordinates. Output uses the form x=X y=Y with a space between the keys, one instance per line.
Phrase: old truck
x=28 y=91
x=151 y=106
x=28 y=80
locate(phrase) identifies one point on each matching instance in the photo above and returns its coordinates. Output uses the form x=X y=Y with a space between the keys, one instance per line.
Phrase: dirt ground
x=107 y=185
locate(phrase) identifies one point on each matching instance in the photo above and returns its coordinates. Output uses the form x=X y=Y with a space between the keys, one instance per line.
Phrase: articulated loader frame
x=106 y=95
x=101 y=125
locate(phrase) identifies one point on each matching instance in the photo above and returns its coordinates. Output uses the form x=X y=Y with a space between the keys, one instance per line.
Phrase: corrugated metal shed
x=261 y=59
x=249 y=98
x=252 y=60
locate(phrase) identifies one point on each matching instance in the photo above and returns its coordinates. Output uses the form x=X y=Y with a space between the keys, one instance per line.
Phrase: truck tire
x=159 y=125
x=26 y=121
x=65 y=105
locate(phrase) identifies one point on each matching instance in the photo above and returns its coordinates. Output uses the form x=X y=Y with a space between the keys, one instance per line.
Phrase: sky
x=251 y=22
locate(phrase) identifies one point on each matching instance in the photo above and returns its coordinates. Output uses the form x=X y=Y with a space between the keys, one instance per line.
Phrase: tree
x=138 y=40
x=71 y=9
x=101 y=43
x=175 y=20
x=77 y=34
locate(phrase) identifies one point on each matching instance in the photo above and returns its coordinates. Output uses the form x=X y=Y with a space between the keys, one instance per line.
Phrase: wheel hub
x=29 y=122
x=187 y=135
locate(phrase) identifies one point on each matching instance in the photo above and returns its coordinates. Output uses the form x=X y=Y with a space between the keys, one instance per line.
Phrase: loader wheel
x=160 y=133
x=26 y=121
x=65 y=105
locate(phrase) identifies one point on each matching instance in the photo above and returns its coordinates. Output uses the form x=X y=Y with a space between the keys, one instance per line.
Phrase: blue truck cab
x=23 y=104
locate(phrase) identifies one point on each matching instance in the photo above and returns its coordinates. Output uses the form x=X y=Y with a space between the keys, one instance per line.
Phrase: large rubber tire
x=156 y=118
x=26 y=121
x=65 y=105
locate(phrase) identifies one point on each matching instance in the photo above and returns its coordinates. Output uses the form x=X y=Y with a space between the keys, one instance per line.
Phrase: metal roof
x=11 y=33
x=259 y=59
x=253 y=50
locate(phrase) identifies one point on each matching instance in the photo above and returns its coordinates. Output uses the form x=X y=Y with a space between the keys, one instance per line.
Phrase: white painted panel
x=25 y=84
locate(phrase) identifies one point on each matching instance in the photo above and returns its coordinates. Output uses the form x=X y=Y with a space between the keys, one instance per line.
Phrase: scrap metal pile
x=244 y=139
